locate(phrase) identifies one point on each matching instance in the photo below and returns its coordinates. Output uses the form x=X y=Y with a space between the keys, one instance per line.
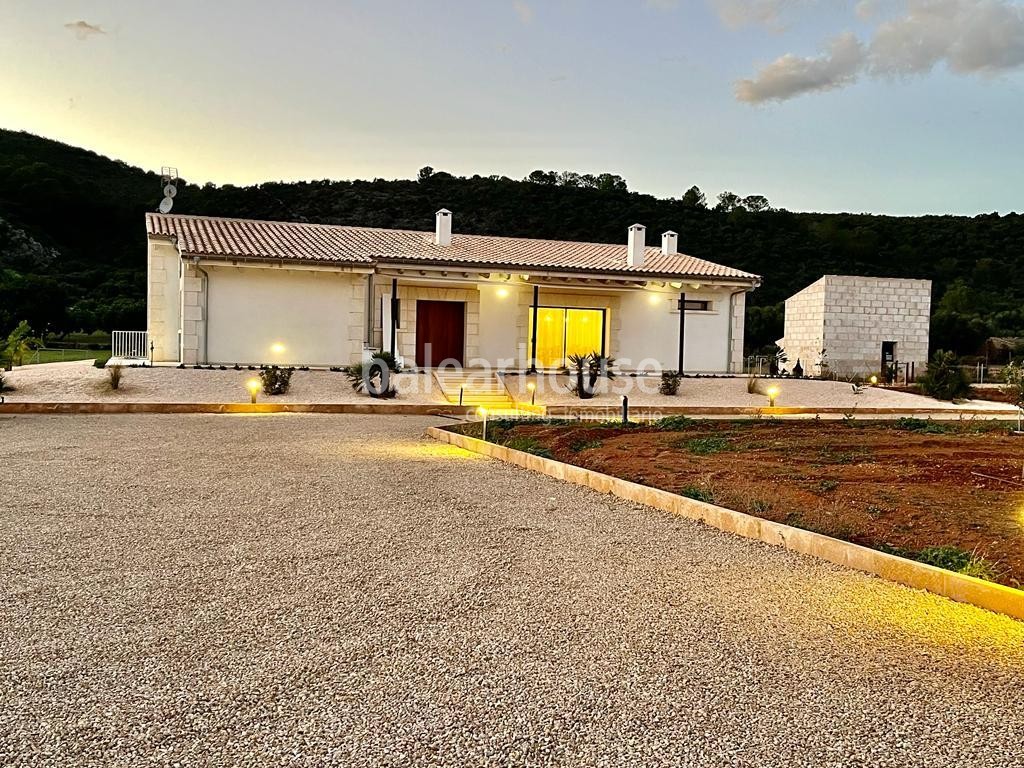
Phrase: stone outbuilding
x=863 y=324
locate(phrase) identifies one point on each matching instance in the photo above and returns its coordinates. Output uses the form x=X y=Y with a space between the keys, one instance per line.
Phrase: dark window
x=698 y=306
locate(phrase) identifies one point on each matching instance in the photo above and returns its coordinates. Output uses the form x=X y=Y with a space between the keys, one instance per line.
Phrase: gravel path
x=81 y=382
x=337 y=590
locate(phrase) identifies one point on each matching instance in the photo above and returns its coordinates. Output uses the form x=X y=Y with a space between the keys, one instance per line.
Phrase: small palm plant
x=587 y=369
x=373 y=377
x=19 y=343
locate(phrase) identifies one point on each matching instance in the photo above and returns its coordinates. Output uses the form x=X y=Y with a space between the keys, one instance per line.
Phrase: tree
x=549 y=178
x=756 y=203
x=945 y=379
x=694 y=198
x=729 y=202
x=424 y=173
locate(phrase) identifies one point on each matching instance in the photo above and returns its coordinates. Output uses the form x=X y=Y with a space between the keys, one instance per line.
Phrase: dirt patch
x=903 y=487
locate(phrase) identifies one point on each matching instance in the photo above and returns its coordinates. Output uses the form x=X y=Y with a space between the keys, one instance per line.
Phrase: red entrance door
x=440 y=332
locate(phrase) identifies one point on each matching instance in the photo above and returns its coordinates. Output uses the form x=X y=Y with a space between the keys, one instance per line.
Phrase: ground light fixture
x=772 y=393
x=873 y=380
x=482 y=413
x=625 y=410
x=253 y=385
x=532 y=388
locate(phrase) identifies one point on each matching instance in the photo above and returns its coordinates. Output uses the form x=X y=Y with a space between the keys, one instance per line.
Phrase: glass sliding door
x=564 y=331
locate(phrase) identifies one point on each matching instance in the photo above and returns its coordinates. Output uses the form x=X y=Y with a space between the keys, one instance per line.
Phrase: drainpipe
x=206 y=309
x=728 y=349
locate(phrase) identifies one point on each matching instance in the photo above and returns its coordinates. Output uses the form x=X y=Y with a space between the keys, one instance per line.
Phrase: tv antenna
x=169 y=182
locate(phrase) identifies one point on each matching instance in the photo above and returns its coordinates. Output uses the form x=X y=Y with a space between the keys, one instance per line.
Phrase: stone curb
x=441 y=409
x=420 y=409
x=964 y=589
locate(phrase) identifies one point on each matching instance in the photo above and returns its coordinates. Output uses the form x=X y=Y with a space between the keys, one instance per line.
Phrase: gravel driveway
x=337 y=590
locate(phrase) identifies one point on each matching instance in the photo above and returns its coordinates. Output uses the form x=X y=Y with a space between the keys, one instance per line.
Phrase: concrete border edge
x=964 y=589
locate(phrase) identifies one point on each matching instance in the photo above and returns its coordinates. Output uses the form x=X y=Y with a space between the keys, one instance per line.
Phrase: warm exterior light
x=482 y=413
x=531 y=386
x=772 y=393
x=532 y=389
x=253 y=385
x=502 y=293
x=654 y=299
x=277 y=348
x=874 y=380
x=695 y=286
x=677 y=286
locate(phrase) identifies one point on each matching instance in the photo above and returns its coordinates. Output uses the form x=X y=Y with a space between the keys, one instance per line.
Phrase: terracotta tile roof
x=212 y=237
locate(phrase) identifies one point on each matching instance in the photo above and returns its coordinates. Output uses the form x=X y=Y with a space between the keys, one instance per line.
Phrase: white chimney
x=635 y=245
x=670 y=243
x=443 y=227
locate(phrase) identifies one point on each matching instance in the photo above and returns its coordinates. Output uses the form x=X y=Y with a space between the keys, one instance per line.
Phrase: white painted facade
x=223 y=311
x=851 y=317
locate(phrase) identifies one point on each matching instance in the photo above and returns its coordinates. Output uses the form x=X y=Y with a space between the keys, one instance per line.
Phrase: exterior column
x=682 y=330
x=394 y=316
x=533 y=330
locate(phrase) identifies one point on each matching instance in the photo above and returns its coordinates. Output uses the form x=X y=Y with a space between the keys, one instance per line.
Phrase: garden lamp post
x=772 y=393
x=532 y=388
x=482 y=413
x=253 y=385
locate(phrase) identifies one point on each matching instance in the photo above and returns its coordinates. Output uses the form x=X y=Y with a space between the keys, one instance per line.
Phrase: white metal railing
x=130 y=345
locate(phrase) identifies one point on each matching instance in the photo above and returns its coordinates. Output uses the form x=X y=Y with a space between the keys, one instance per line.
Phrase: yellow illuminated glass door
x=550 y=337
x=562 y=332
x=584 y=331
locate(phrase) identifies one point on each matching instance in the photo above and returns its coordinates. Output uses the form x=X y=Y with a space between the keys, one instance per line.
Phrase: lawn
x=947 y=493
x=61 y=355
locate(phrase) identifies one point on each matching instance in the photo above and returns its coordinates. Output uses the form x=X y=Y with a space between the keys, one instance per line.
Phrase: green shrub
x=275 y=380
x=672 y=423
x=698 y=493
x=528 y=445
x=706 y=446
x=669 y=383
x=944 y=379
x=101 y=361
x=959 y=560
x=1013 y=375
x=925 y=426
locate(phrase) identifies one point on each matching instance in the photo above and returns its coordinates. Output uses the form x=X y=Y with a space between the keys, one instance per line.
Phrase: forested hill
x=72 y=237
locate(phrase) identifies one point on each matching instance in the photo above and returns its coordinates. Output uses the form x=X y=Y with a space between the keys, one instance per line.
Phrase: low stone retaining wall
x=965 y=589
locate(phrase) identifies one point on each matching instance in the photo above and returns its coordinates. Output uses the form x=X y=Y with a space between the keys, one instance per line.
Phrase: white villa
x=225 y=291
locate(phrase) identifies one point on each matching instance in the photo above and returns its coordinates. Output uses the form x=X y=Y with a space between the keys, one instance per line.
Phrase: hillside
x=72 y=242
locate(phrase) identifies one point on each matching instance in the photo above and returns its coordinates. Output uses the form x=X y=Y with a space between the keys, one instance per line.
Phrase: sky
x=883 y=106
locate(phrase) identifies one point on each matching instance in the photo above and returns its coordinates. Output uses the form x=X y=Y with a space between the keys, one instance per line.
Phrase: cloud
x=523 y=10
x=738 y=13
x=84 y=30
x=970 y=37
x=790 y=75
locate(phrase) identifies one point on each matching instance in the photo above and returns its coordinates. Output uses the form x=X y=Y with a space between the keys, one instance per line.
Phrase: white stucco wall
x=500 y=332
x=650 y=330
x=316 y=316
x=162 y=300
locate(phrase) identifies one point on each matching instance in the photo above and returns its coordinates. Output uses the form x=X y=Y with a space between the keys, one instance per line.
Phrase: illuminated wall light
x=502 y=293
x=277 y=348
x=654 y=299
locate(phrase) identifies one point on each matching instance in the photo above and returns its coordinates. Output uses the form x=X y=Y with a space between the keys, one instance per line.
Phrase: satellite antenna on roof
x=169 y=181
